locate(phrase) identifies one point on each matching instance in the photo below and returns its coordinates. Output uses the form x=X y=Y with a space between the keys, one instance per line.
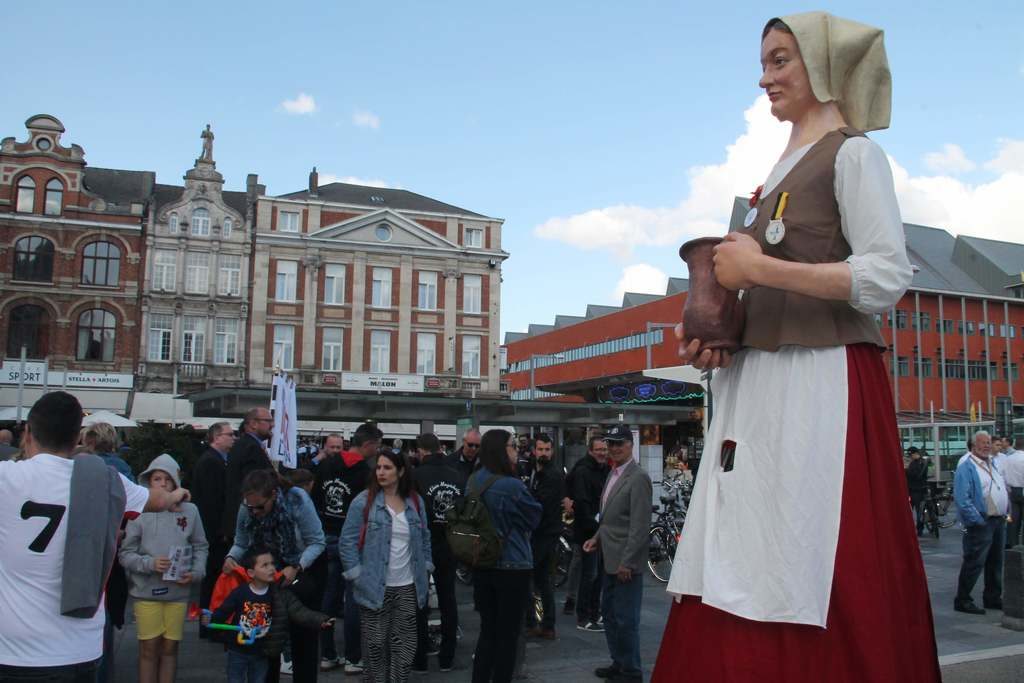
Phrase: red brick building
x=71 y=253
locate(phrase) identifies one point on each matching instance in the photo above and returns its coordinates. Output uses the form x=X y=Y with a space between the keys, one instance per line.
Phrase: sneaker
x=569 y=607
x=286 y=666
x=967 y=606
x=591 y=627
x=539 y=632
x=328 y=663
x=420 y=672
x=607 y=671
x=433 y=647
x=993 y=604
x=445 y=668
x=352 y=668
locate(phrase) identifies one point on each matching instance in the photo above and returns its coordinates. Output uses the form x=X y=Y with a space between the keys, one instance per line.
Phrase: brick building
x=71 y=253
x=955 y=343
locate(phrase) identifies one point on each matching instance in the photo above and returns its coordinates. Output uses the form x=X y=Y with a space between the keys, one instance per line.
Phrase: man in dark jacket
x=917 y=485
x=340 y=477
x=464 y=459
x=208 y=479
x=548 y=488
x=246 y=455
x=439 y=484
x=587 y=482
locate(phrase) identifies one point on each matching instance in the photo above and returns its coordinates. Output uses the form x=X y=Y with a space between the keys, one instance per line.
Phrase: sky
x=605 y=134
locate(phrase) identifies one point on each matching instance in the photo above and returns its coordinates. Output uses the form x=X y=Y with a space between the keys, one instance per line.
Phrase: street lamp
x=647 y=338
x=533 y=368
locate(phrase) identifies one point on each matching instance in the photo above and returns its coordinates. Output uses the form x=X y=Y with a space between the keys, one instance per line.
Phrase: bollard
x=1013 y=588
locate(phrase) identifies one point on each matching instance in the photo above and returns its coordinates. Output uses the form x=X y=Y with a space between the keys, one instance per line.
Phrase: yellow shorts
x=154 y=618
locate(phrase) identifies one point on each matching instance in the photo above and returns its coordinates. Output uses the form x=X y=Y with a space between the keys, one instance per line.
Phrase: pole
x=21 y=382
x=174 y=396
x=533 y=367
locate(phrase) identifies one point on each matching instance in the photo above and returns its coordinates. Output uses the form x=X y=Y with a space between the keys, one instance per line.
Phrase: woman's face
x=387 y=473
x=159 y=479
x=784 y=77
x=512 y=451
x=258 y=504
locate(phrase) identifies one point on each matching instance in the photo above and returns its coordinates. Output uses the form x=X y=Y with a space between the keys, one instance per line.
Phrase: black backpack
x=470 y=531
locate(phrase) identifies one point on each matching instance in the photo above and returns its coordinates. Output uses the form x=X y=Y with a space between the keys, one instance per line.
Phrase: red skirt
x=879 y=625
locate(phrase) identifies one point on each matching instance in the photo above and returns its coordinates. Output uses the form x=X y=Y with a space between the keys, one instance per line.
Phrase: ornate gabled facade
x=195 y=297
x=70 y=260
x=351 y=279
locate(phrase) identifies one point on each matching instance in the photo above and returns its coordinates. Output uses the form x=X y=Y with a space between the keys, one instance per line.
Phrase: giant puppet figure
x=798 y=561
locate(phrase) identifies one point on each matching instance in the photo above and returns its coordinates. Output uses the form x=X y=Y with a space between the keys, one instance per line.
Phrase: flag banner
x=284 y=441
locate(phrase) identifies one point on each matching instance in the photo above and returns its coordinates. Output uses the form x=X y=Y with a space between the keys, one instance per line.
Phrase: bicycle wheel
x=932 y=518
x=659 y=553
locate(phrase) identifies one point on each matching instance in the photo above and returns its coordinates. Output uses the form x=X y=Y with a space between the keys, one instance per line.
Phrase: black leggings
x=305 y=642
x=501 y=596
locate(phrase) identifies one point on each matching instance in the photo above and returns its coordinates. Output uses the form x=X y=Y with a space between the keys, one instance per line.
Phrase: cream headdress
x=846 y=63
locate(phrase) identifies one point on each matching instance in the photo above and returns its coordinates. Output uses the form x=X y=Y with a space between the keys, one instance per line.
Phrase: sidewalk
x=972 y=649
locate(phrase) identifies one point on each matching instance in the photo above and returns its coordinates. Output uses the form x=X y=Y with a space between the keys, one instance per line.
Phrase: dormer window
x=54 y=198
x=26 y=195
x=201 y=222
x=376 y=199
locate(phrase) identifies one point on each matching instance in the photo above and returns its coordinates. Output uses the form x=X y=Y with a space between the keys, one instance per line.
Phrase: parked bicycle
x=667 y=528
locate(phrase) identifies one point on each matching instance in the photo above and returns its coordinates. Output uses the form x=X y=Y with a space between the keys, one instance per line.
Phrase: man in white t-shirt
x=36 y=641
x=1013 y=473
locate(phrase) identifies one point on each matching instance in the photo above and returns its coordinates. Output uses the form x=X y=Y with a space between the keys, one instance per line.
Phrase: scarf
x=277 y=530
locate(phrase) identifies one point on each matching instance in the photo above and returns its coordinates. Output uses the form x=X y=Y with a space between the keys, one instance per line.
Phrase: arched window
x=172 y=224
x=96 y=335
x=101 y=264
x=226 y=230
x=33 y=259
x=26 y=195
x=54 y=198
x=200 y=222
x=28 y=326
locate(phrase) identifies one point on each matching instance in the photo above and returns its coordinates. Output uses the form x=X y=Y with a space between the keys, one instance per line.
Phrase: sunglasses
x=471 y=445
x=254 y=508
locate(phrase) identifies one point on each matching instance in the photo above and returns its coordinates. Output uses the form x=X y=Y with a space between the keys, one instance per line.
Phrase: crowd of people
x=359 y=533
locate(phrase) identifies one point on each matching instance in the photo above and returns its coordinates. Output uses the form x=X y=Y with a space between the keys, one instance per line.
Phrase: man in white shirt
x=37 y=642
x=982 y=504
x=1013 y=473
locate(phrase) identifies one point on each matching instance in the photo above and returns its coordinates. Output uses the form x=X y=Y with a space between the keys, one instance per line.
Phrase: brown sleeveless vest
x=813 y=234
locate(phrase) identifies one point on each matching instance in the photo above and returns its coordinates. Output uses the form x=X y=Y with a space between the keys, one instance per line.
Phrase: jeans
x=620 y=606
x=501 y=596
x=543 y=558
x=983 y=551
x=588 y=599
x=71 y=673
x=1016 y=510
x=444 y=583
x=247 y=667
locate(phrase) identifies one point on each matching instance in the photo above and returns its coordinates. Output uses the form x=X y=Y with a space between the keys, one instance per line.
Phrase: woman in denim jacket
x=502 y=593
x=385 y=552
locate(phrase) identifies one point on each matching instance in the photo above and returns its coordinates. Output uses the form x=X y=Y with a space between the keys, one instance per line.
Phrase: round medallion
x=383 y=232
x=43 y=144
x=749 y=219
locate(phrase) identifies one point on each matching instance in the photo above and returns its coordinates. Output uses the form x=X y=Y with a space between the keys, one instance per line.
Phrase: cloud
x=302 y=104
x=642 y=278
x=950 y=160
x=328 y=178
x=366 y=119
x=982 y=209
x=704 y=211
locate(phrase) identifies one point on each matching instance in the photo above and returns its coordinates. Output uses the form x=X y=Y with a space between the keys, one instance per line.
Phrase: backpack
x=470 y=531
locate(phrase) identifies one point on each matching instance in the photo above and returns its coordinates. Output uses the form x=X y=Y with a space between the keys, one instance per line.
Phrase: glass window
x=226 y=228
x=925 y=369
x=54 y=198
x=225 y=341
x=471 y=293
x=332 y=348
x=33 y=259
x=284 y=347
x=160 y=331
x=26 y=195
x=380 y=351
x=288 y=221
x=970 y=327
x=901 y=319
x=172 y=224
x=903 y=367
x=165 y=270
x=197 y=272
x=427 y=299
x=193 y=339
x=96 y=330
x=474 y=237
x=470 y=356
x=947 y=326
x=426 y=353
x=28 y=326
x=287 y=276
x=229 y=280
x=334 y=284
x=381 y=288
x=101 y=264
x=200 y=222
x=1010 y=371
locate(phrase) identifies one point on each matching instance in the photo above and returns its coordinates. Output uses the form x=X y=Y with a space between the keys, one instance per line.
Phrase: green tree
x=150 y=439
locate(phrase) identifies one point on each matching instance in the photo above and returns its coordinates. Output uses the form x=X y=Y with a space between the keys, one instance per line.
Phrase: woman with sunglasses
x=276 y=515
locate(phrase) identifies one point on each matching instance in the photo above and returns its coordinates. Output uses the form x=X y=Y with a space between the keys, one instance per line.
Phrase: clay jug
x=712 y=313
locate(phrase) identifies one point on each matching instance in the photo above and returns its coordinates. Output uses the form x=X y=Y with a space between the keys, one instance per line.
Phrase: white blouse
x=400 y=561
